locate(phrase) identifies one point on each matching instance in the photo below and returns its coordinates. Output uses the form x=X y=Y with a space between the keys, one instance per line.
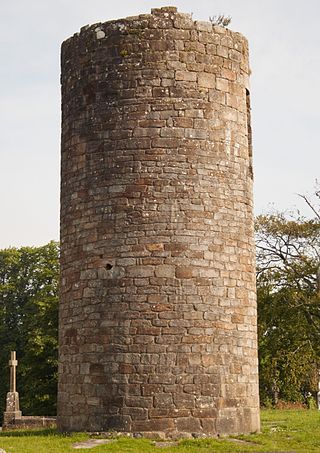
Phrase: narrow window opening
x=249 y=132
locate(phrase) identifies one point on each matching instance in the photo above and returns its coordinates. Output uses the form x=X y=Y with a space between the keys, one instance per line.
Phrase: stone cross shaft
x=13 y=363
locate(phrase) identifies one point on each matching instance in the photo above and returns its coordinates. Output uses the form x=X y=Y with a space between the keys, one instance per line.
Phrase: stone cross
x=13 y=362
x=12 y=411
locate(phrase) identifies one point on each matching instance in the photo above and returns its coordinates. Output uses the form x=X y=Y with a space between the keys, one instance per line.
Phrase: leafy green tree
x=288 y=257
x=29 y=325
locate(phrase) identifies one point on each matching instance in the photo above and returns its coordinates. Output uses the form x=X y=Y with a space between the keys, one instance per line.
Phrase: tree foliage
x=29 y=325
x=288 y=260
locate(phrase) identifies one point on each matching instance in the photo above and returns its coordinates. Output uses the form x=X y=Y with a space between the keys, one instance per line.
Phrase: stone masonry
x=12 y=411
x=158 y=302
x=12 y=417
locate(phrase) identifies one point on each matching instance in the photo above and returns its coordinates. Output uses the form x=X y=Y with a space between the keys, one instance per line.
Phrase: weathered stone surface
x=91 y=443
x=164 y=444
x=12 y=412
x=12 y=402
x=157 y=303
x=206 y=80
x=29 y=422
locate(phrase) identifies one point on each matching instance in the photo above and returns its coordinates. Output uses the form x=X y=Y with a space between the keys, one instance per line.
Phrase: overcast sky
x=285 y=60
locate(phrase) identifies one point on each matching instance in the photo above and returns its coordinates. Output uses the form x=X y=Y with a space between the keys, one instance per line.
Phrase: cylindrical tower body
x=158 y=305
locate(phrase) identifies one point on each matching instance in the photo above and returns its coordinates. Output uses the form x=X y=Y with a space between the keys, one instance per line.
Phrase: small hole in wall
x=109 y=266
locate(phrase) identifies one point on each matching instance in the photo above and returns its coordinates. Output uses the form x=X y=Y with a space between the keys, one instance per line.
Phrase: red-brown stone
x=157 y=301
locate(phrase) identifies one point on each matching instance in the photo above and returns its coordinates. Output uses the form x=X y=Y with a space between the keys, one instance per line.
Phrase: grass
x=282 y=431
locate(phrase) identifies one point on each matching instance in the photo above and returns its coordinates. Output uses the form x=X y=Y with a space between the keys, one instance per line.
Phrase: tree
x=288 y=257
x=29 y=325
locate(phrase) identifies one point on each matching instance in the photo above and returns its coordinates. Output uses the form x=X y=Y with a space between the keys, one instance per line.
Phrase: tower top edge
x=164 y=17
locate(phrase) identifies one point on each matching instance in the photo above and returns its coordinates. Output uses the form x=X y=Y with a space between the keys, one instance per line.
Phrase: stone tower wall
x=158 y=305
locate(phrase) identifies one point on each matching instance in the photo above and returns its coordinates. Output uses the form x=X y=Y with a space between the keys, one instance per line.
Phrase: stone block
x=173 y=132
x=182 y=122
x=163 y=400
x=197 y=134
x=184 y=272
x=188 y=424
x=182 y=400
x=203 y=26
x=186 y=76
x=155 y=247
x=222 y=84
x=206 y=80
x=165 y=271
x=183 y=21
x=140 y=271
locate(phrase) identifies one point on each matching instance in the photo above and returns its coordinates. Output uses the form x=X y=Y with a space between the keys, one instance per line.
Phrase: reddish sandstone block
x=184 y=272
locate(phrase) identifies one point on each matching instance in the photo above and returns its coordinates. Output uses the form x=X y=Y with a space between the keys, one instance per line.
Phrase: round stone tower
x=158 y=303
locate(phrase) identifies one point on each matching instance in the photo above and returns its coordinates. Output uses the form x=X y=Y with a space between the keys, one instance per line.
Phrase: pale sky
x=284 y=43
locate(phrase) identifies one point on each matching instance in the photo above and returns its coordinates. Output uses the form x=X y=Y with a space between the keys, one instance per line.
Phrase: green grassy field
x=282 y=431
